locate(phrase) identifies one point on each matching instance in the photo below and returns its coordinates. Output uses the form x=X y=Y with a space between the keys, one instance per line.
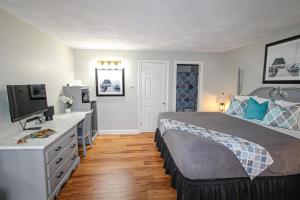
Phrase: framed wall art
x=282 y=61
x=110 y=82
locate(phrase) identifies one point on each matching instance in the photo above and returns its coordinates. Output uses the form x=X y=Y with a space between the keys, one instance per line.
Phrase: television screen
x=26 y=100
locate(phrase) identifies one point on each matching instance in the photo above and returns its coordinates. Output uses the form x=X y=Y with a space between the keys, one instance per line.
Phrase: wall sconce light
x=221 y=100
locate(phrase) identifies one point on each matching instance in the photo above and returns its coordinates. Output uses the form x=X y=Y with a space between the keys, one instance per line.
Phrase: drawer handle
x=59 y=176
x=58 y=148
x=74 y=157
x=72 y=136
x=73 y=146
x=60 y=159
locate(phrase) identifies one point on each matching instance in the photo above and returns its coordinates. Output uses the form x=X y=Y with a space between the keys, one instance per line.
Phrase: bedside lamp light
x=221 y=98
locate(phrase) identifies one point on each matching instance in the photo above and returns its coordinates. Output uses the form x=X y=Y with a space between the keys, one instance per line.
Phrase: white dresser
x=37 y=169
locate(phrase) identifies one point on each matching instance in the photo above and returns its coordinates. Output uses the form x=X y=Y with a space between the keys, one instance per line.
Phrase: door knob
x=163 y=103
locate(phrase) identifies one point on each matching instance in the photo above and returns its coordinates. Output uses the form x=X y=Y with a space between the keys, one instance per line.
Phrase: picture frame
x=85 y=97
x=110 y=82
x=282 y=62
x=37 y=92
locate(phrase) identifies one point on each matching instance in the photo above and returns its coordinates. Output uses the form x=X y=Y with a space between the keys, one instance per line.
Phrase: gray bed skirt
x=261 y=188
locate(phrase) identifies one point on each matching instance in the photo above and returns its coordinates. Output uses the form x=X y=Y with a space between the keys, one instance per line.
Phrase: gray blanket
x=200 y=158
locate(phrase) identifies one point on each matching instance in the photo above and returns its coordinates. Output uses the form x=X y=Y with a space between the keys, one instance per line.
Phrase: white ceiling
x=175 y=25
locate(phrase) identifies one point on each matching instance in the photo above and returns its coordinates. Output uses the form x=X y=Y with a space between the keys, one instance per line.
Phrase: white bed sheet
x=293 y=133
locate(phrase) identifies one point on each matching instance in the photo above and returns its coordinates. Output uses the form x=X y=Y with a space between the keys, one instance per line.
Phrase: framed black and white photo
x=282 y=61
x=110 y=82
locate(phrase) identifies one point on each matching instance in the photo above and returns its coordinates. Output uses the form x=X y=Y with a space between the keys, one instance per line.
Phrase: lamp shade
x=221 y=98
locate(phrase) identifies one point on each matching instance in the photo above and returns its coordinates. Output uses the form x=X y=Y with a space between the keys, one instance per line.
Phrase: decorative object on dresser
x=282 y=61
x=83 y=102
x=68 y=101
x=80 y=95
x=110 y=82
x=36 y=135
x=49 y=113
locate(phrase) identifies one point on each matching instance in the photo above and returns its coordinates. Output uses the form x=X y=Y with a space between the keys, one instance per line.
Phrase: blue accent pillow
x=255 y=110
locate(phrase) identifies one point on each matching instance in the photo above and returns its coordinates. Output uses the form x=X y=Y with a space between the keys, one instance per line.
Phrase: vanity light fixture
x=108 y=62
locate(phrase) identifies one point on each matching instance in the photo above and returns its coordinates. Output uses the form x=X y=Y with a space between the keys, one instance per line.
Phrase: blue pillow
x=255 y=110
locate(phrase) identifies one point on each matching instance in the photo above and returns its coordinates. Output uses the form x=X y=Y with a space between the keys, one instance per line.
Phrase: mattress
x=198 y=158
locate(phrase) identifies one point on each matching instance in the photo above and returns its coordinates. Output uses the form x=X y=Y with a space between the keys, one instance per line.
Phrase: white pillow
x=243 y=98
x=261 y=100
x=258 y=99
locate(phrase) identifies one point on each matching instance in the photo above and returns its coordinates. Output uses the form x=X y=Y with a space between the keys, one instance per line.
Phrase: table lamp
x=221 y=98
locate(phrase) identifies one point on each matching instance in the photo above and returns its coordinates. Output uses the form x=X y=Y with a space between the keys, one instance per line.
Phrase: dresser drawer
x=54 y=150
x=71 y=135
x=60 y=158
x=57 y=147
x=61 y=172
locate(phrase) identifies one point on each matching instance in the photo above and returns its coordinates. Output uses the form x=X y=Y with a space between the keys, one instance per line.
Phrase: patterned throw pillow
x=236 y=107
x=282 y=117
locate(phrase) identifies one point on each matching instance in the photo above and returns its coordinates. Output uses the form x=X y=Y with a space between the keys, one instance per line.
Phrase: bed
x=206 y=170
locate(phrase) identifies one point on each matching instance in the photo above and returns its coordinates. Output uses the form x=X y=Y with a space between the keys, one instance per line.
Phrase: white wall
x=120 y=113
x=251 y=59
x=29 y=56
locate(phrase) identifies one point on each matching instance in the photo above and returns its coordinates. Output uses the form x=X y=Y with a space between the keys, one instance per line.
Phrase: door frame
x=200 y=82
x=139 y=88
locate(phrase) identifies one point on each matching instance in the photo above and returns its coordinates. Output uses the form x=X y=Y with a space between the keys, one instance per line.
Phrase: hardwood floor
x=120 y=167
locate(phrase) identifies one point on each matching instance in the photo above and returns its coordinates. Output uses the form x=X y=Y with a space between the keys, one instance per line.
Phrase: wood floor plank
x=123 y=167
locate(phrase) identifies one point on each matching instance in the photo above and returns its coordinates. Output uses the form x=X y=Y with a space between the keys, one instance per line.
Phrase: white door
x=153 y=80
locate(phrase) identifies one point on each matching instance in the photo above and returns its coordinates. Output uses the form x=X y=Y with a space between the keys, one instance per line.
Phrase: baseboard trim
x=129 y=131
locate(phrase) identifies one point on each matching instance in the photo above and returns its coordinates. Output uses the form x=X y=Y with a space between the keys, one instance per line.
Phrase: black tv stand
x=30 y=120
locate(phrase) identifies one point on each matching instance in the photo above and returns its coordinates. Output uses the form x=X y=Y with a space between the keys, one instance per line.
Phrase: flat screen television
x=26 y=100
